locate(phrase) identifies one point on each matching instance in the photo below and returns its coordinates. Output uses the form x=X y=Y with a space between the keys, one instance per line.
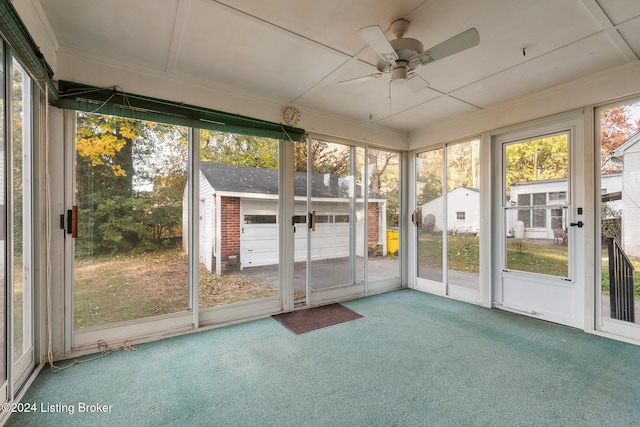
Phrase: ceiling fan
x=402 y=56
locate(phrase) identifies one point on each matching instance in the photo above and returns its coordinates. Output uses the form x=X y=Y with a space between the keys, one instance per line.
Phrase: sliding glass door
x=346 y=197
x=238 y=205
x=383 y=219
x=4 y=239
x=448 y=228
x=336 y=228
x=172 y=226
x=618 y=181
x=18 y=217
x=329 y=218
x=126 y=222
x=130 y=225
x=21 y=222
x=429 y=208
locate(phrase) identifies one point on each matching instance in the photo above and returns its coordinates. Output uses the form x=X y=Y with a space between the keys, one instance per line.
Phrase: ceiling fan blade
x=416 y=83
x=362 y=78
x=464 y=40
x=375 y=37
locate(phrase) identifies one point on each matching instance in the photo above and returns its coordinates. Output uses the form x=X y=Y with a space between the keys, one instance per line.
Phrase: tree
x=538 y=159
x=241 y=150
x=326 y=157
x=384 y=179
x=429 y=168
x=19 y=144
x=130 y=175
x=616 y=127
x=463 y=169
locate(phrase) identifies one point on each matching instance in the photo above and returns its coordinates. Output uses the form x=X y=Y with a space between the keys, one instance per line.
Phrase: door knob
x=580 y=224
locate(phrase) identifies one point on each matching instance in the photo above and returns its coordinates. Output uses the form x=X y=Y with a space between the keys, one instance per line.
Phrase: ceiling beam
x=179 y=25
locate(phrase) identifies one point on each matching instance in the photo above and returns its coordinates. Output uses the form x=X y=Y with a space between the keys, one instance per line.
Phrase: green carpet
x=413 y=360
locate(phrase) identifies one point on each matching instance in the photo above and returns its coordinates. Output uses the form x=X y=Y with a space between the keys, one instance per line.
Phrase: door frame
x=574 y=311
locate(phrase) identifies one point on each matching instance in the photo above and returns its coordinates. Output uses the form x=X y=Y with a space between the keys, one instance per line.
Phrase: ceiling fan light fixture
x=399 y=75
x=402 y=56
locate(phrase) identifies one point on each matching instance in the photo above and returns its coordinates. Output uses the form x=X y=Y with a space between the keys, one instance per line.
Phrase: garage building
x=239 y=217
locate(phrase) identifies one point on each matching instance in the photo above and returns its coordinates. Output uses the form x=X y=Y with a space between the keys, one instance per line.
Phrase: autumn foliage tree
x=537 y=160
x=616 y=126
x=130 y=175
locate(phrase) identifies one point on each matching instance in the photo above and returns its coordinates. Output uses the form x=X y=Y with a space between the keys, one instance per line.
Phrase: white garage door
x=259 y=232
x=331 y=236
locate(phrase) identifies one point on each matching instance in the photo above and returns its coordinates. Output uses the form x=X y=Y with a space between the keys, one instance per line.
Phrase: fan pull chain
x=389 y=104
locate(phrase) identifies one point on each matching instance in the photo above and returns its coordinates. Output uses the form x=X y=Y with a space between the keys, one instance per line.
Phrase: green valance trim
x=23 y=47
x=114 y=101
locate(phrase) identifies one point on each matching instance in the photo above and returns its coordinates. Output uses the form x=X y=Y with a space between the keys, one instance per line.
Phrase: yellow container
x=393 y=242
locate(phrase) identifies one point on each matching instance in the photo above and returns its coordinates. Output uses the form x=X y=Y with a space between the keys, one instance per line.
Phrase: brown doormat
x=302 y=321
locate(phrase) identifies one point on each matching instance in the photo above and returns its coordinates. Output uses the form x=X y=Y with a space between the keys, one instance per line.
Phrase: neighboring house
x=463 y=206
x=539 y=223
x=239 y=217
x=629 y=154
x=552 y=194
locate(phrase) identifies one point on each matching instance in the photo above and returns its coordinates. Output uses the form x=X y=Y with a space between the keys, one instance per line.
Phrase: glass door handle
x=312 y=220
x=72 y=221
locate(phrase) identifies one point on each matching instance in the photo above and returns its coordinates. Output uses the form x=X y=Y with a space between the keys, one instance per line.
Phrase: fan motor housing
x=406 y=48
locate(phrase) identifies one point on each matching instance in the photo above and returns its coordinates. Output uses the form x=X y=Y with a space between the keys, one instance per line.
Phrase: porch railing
x=620 y=282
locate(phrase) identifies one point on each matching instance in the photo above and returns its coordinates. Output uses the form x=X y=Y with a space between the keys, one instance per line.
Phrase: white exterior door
x=539 y=217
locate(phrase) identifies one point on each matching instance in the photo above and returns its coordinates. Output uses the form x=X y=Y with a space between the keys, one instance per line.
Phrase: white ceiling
x=296 y=52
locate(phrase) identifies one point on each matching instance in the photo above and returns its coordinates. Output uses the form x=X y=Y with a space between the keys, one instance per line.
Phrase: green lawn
x=538 y=257
x=464 y=254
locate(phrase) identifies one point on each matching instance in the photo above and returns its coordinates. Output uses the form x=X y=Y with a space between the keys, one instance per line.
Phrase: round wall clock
x=291 y=116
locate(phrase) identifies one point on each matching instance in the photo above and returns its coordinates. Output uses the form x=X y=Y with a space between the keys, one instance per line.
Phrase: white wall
x=631 y=201
x=458 y=200
x=207 y=222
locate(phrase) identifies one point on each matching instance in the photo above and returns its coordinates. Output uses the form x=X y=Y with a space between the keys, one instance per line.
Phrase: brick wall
x=373 y=231
x=230 y=233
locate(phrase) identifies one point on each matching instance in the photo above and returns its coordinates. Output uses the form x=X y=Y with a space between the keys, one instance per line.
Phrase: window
x=535 y=218
x=556 y=219
x=300 y=219
x=524 y=215
x=324 y=219
x=259 y=219
x=342 y=218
